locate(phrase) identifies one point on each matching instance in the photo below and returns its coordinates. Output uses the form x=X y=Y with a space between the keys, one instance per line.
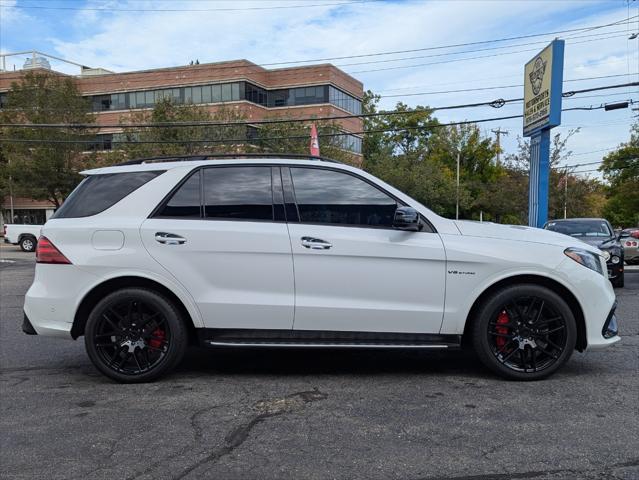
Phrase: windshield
x=581 y=228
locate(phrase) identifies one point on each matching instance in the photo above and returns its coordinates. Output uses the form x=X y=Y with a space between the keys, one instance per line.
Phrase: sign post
x=543 y=82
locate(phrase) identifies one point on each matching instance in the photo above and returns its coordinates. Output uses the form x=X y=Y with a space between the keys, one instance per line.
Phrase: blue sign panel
x=543 y=88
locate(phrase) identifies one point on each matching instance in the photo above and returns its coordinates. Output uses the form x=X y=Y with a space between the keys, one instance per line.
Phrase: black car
x=599 y=233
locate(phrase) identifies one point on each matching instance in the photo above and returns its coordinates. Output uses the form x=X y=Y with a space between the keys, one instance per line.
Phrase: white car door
x=353 y=271
x=223 y=236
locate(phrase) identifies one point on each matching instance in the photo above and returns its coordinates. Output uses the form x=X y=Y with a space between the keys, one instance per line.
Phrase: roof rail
x=214 y=156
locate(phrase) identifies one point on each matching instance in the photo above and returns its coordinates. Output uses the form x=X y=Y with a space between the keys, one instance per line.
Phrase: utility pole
x=457 y=202
x=566 y=193
x=498 y=133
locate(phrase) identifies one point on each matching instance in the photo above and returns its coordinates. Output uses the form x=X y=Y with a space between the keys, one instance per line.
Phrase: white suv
x=146 y=257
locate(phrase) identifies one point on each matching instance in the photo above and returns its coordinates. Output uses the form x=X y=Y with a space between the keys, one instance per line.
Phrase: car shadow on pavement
x=273 y=361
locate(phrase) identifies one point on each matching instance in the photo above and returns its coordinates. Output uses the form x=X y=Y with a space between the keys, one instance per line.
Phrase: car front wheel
x=135 y=335
x=524 y=332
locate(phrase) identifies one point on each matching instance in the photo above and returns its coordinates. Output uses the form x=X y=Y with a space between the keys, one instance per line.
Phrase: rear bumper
x=51 y=302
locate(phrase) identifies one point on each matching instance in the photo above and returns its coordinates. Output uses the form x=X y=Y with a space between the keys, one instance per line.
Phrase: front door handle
x=169 y=238
x=315 y=243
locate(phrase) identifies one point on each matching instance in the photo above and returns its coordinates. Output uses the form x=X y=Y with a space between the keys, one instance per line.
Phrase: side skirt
x=214 y=337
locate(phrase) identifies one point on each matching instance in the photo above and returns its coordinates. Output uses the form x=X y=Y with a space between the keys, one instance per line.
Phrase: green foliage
x=44 y=171
x=295 y=137
x=621 y=169
x=182 y=140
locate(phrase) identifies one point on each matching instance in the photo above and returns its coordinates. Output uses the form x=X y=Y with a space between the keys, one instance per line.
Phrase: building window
x=228 y=92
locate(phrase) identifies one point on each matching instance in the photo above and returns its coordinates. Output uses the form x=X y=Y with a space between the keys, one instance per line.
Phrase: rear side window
x=96 y=193
x=326 y=196
x=185 y=202
x=243 y=193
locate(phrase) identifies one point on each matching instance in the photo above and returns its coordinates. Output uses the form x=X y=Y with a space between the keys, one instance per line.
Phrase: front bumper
x=615 y=270
x=27 y=327
x=610 y=328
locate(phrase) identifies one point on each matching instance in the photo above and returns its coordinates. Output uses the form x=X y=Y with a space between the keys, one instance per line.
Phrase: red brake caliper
x=502 y=319
x=158 y=338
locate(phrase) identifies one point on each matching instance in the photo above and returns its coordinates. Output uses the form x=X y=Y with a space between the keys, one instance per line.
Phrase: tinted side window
x=238 y=193
x=325 y=196
x=96 y=193
x=185 y=202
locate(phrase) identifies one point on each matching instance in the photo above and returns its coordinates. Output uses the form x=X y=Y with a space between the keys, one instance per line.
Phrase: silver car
x=629 y=239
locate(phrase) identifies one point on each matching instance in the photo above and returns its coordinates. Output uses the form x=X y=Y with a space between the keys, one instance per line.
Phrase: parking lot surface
x=312 y=414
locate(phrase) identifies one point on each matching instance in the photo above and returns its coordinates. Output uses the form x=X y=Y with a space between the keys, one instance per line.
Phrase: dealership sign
x=543 y=82
x=543 y=78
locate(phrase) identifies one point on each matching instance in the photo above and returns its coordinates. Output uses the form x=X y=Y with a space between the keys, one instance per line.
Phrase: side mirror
x=407 y=218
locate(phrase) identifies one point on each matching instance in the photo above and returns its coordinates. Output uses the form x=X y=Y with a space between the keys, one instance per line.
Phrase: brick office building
x=254 y=91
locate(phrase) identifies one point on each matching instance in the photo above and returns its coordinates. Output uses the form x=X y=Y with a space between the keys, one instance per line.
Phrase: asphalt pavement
x=271 y=414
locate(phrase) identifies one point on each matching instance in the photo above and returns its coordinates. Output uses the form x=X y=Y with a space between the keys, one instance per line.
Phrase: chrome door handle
x=169 y=238
x=315 y=243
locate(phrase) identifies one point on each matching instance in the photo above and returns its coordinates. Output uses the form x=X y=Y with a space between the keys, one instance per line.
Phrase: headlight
x=586 y=258
x=615 y=259
x=606 y=255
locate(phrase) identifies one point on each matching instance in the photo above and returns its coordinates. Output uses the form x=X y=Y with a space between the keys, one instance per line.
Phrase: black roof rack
x=214 y=156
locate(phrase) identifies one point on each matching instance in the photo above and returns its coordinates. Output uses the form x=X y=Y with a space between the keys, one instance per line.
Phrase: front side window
x=327 y=196
x=243 y=193
x=96 y=193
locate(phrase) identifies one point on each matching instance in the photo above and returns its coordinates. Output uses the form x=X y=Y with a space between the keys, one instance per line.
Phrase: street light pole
x=457 y=202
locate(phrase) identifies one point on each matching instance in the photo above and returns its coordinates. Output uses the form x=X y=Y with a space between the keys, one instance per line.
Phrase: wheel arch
x=94 y=295
x=547 y=282
x=24 y=235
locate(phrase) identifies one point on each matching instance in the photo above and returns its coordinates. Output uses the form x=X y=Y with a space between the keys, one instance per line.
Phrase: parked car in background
x=599 y=233
x=258 y=251
x=25 y=236
x=629 y=239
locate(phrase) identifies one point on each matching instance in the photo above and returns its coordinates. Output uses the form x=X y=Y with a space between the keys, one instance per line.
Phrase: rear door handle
x=169 y=238
x=315 y=243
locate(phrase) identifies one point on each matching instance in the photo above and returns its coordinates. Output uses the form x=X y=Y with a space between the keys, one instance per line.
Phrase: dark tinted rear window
x=238 y=193
x=185 y=202
x=96 y=193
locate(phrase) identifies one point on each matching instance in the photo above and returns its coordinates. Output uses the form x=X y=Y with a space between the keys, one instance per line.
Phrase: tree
x=46 y=169
x=621 y=169
x=182 y=140
x=295 y=137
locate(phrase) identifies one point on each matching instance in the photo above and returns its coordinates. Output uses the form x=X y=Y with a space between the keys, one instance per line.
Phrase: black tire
x=127 y=349
x=28 y=243
x=619 y=281
x=524 y=332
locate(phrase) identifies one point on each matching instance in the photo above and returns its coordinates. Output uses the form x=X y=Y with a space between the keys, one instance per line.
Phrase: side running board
x=213 y=337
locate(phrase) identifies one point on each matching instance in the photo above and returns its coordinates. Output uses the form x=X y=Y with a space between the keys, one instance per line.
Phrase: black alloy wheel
x=135 y=335
x=524 y=332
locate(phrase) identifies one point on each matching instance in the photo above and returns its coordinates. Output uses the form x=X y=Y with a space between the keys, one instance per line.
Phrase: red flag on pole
x=315 y=152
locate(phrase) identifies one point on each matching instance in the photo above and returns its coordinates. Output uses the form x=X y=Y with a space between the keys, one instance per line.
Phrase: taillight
x=46 y=252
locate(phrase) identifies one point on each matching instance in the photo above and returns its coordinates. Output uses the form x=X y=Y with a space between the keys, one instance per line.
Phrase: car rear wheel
x=135 y=335
x=524 y=332
x=28 y=244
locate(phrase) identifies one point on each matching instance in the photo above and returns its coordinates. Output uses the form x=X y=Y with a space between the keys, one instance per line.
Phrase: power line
x=472 y=58
x=256 y=68
x=542 y=42
x=494 y=103
x=112 y=9
x=290 y=137
x=497 y=87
